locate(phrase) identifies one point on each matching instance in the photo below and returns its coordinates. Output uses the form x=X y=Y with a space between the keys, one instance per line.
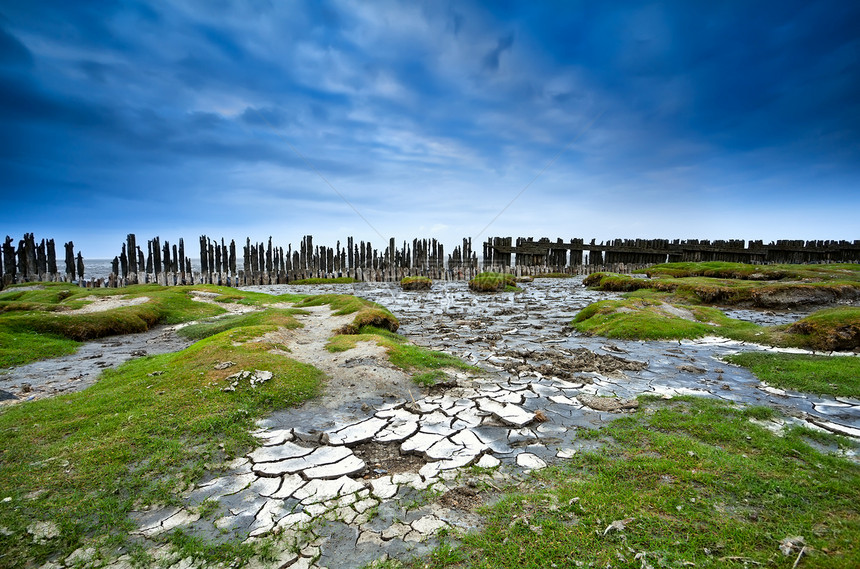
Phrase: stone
x=610 y=404
x=508 y=413
x=364 y=505
x=544 y=390
x=274 y=438
x=320 y=456
x=294 y=521
x=443 y=449
x=396 y=530
x=369 y=537
x=396 y=431
x=279 y=452
x=384 y=488
x=358 y=432
x=347 y=466
x=428 y=525
x=43 y=531
x=566 y=453
x=289 y=484
x=521 y=435
x=564 y=400
x=223 y=486
x=321 y=490
x=530 y=461
x=419 y=443
x=265 y=487
x=488 y=461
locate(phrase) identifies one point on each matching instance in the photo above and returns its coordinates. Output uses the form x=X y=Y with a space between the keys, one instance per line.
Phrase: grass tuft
x=493 y=282
x=416 y=283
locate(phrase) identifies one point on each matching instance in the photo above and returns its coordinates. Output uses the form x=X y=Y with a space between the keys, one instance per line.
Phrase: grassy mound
x=37 y=324
x=650 y=316
x=554 y=276
x=831 y=329
x=416 y=283
x=827 y=288
x=366 y=313
x=403 y=354
x=837 y=376
x=644 y=319
x=493 y=282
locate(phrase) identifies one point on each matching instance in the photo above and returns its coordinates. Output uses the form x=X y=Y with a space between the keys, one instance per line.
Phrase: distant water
x=101 y=268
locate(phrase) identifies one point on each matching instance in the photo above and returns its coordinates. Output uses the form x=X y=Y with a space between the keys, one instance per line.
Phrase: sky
x=596 y=120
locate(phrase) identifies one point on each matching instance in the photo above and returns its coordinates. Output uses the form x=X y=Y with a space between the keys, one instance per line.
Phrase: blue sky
x=685 y=119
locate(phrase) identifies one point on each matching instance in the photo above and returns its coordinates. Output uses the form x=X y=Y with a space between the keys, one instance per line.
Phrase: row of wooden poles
x=267 y=263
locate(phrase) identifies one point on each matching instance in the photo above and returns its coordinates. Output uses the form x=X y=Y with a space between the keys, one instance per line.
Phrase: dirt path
x=356 y=372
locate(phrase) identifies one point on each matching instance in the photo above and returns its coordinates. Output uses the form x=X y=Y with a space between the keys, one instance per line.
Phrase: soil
x=383 y=459
x=461 y=498
x=359 y=371
x=102 y=303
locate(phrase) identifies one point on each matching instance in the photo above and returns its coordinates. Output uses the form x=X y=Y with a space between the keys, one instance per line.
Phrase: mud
x=80 y=370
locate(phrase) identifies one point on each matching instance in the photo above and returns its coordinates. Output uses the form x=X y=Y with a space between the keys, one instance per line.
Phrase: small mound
x=493 y=282
x=416 y=283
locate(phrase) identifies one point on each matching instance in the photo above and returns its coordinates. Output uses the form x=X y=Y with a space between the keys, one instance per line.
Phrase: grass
x=335 y=280
x=367 y=313
x=746 y=271
x=493 y=282
x=693 y=482
x=429 y=378
x=773 y=286
x=272 y=319
x=416 y=283
x=400 y=352
x=647 y=317
x=831 y=329
x=138 y=436
x=554 y=276
x=38 y=324
x=821 y=375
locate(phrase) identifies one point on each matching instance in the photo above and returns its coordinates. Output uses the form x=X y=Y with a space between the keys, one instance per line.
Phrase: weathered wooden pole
x=80 y=266
x=70 y=260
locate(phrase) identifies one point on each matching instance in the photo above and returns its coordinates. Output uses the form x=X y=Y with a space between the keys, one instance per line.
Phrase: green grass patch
x=649 y=315
x=821 y=375
x=554 y=276
x=652 y=319
x=272 y=318
x=335 y=280
x=744 y=271
x=416 y=283
x=367 y=313
x=138 y=436
x=716 y=287
x=429 y=378
x=692 y=482
x=42 y=323
x=494 y=282
x=830 y=329
x=400 y=352
x=19 y=347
